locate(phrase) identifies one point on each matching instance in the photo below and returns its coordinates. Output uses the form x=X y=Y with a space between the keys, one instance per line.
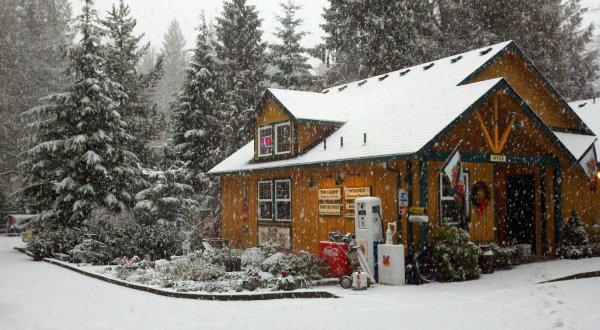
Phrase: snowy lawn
x=40 y=295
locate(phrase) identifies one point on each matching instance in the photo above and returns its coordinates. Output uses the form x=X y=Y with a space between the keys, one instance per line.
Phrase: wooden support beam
x=507 y=131
x=496 y=122
x=488 y=138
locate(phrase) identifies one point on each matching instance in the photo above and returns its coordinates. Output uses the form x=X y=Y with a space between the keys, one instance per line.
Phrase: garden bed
x=92 y=271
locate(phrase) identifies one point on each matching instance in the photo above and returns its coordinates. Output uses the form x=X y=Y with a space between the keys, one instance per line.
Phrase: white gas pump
x=368 y=227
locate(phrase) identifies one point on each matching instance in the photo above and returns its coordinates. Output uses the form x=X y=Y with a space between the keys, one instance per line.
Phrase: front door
x=520 y=209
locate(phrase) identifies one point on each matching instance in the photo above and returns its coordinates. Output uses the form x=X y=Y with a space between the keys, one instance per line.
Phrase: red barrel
x=336 y=261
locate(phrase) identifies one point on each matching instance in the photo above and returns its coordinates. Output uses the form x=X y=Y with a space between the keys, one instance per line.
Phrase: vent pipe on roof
x=341 y=141
x=365 y=138
x=324 y=144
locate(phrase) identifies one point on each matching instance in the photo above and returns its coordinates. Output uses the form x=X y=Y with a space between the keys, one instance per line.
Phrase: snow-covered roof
x=577 y=144
x=400 y=111
x=589 y=112
x=396 y=125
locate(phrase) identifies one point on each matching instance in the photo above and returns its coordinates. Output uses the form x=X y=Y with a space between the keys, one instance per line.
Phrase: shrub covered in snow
x=110 y=240
x=504 y=256
x=454 y=255
x=575 y=240
x=303 y=264
x=58 y=240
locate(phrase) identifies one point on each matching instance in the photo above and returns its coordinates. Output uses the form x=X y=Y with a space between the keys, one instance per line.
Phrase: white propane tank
x=368 y=226
x=391 y=264
x=359 y=280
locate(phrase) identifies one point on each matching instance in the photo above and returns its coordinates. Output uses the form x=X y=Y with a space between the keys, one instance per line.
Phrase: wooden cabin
x=388 y=136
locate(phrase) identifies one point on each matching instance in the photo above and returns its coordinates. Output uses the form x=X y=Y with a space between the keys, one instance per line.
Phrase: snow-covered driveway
x=41 y=295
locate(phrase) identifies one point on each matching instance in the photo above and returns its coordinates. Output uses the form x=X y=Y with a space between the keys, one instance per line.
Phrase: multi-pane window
x=283 y=200
x=283 y=138
x=275 y=200
x=265 y=200
x=265 y=141
x=454 y=202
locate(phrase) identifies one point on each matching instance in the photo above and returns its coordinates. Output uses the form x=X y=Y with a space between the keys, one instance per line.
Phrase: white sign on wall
x=275 y=235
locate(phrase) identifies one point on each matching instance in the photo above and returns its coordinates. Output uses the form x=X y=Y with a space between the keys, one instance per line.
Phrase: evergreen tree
x=575 y=241
x=4 y=208
x=198 y=137
x=373 y=37
x=292 y=68
x=167 y=200
x=242 y=52
x=79 y=161
x=550 y=32
x=175 y=63
x=34 y=35
x=123 y=54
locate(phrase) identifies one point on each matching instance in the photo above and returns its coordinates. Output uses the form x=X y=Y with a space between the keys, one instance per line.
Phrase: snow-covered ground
x=41 y=295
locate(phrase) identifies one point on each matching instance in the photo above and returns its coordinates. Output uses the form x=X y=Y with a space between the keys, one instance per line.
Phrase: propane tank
x=389 y=234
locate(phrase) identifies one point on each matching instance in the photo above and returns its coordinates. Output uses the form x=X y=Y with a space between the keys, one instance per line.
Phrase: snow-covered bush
x=91 y=251
x=252 y=258
x=58 y=240
x=504 y=256
x=231 y=259
x=303 y=264
x=574 y=244
x=454 y=255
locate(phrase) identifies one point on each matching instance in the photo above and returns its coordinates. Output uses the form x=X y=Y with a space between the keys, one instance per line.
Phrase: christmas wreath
x=480 y=196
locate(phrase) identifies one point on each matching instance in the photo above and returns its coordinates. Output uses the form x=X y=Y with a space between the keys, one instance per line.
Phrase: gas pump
x=368 y=228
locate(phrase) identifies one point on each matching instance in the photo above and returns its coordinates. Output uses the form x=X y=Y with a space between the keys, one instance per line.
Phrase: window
x=283 y=138
x=283 y=200
x=265 y=141
x=275 y=200
x=454 y=203
x=265 y=200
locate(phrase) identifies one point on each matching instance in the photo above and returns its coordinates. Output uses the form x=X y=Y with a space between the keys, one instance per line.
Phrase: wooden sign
x=352 y=193
x=333 y=194
x=498 y=158
x=330 y=209
x=355 y=192
x=275 y=235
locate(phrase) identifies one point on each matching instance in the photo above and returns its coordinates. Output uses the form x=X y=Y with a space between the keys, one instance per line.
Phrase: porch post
x=557 y=207
x=543 y=209
x=409 y=237
x=423 y=199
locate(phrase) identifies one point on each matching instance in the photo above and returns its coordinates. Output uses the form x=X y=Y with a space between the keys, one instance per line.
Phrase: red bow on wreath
x=481 y=196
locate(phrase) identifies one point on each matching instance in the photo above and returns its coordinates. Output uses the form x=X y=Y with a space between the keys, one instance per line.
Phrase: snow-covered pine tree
x=79 y=158
x=291 y=64
x=198 y=137
x=167 y=201
x=550 y=32
x=175 y=62
x=371 y=38
x=123 y=54
x=34 y=35
x=242 y=52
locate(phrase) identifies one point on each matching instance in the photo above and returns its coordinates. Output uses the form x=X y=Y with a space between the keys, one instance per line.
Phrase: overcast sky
x=154 y=16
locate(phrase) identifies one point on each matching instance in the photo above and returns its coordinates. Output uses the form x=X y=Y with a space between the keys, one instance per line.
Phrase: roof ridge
x=411 y=68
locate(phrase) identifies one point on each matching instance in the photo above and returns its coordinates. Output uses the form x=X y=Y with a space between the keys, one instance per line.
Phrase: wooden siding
x=309 y=134
x=307 y=226
x=524 y=81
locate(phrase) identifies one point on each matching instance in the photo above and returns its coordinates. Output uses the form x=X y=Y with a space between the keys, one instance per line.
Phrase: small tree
x=575 y=241
x=168 y=200
x=292 y=68
x=454 y=255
